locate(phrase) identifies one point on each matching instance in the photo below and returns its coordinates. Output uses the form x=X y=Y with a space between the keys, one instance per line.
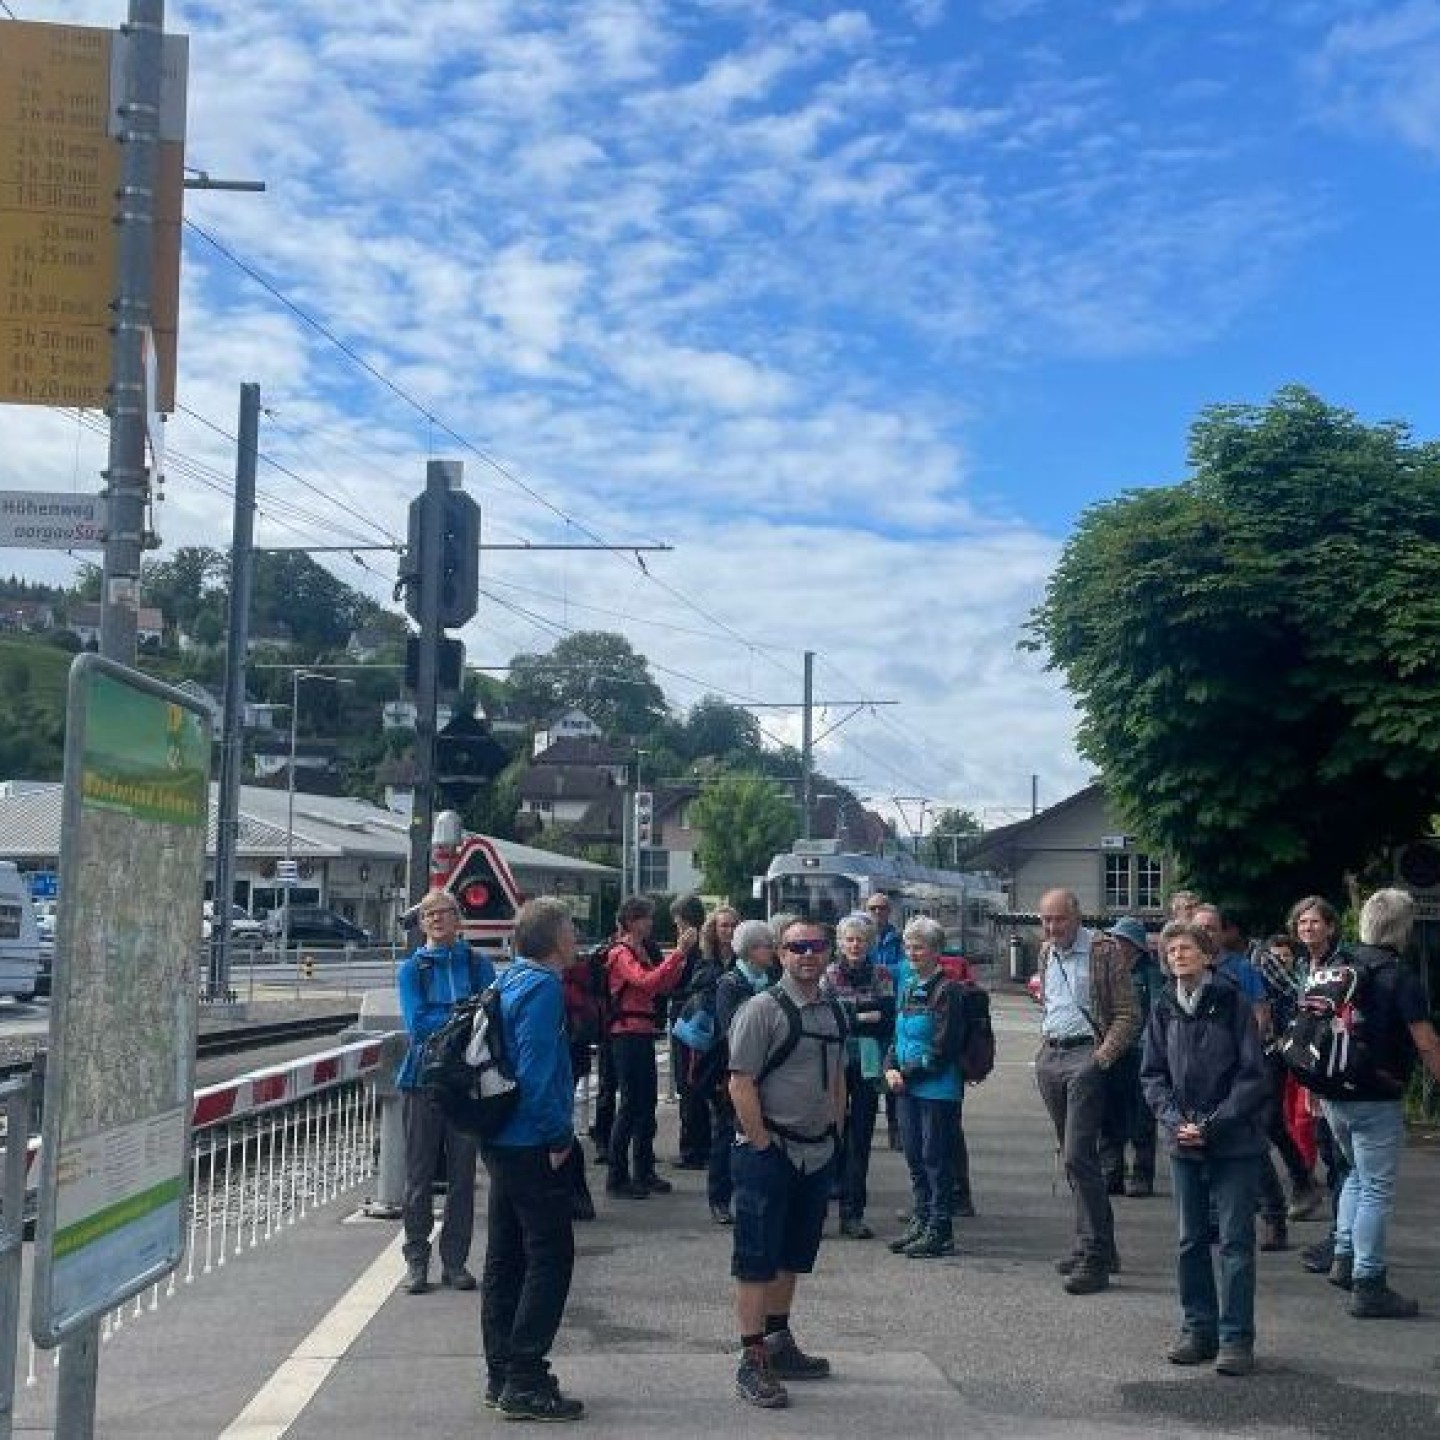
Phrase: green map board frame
x=115 y=1153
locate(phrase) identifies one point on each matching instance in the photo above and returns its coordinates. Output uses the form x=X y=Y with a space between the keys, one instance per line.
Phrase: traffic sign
x=51 y=520
x=467 y=756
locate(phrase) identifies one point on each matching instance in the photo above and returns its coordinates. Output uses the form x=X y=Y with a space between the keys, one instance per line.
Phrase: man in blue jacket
x=432 y=981
x=531 y=1250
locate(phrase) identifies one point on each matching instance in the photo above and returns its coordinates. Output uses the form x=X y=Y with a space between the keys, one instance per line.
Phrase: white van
x=19 y=939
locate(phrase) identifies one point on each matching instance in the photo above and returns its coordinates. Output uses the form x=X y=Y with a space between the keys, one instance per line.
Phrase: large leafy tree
x=715 y=727
x=742 y=822
x=595 y=671
x=1256 y=651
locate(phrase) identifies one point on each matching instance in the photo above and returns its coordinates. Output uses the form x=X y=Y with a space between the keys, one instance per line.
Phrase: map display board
x=116 y=1141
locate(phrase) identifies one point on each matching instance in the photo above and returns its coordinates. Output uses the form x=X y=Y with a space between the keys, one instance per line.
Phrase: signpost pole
x=126 y=475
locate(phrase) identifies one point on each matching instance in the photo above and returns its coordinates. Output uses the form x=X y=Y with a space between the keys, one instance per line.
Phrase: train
x=817 y=879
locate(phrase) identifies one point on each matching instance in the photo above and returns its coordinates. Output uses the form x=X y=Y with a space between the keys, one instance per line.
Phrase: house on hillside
x=562 y=794
x=667 y=864
x=592 y=754
x=1082 y=845
x=149 y=625
x=570 y=725
x=402 y=714
x=316 y=762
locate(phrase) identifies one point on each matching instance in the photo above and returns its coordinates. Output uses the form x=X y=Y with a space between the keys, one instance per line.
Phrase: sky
x=858 y=307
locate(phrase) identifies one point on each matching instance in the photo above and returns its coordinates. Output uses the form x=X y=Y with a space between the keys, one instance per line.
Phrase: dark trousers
x=604 y=1117
x=692 y=1105
x=927 y=1129
x=862 y=1102
x=637 y=1083
x=1128 y=1122
x=1278 y=1131
x=426 y=1135
x=1072 y=1086
x=528 y=1263
x=964 y=1198
x=1227 y=1187
x=718 y=1185
x=1273 y=1205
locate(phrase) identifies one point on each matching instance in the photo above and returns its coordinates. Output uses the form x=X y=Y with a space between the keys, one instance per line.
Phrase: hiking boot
x=1308 y=1202
x=1273 y=1235
x=1089 y=1277
x=1373 y=1299
x=655 y=1185
x=541 y=1400
x=1235 y=1360
x=457 y=1279
x=1140 y=1187
x=787 y=1361
x=721 y=1215
x=913 y=1231
x=624 y=1188
x=1193 y=1349
x=755 y=1383
x=934 y=1243
x=493 y=1390
x=1318 y=1258
x=856 y=1229
x=417 y=1277
x=1068 y=1264
x=962 y=1207
x=1342 y=1271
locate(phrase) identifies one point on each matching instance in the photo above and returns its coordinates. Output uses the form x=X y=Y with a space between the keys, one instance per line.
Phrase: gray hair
x=781 y=921
x=930 y=933
x=539 y=924
x=856 y=924
x=748 y=934
x=1387 y=918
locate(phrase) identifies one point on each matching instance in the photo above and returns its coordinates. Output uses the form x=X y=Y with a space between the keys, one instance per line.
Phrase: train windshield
x=823 y=898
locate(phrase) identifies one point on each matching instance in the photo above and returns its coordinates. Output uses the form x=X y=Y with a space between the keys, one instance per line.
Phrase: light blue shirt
x=1067 y=988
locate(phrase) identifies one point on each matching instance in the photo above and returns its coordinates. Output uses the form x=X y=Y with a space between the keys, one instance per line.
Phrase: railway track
x=240 y=1039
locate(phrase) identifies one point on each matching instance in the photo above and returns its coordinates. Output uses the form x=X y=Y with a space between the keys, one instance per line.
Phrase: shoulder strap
x=786 y=1048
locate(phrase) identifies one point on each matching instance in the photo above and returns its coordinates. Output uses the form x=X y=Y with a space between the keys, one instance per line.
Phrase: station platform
x=311 y=1336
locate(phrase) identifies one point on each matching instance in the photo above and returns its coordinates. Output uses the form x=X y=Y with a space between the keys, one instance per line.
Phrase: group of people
x=784 y=1046
x=1197 y=1035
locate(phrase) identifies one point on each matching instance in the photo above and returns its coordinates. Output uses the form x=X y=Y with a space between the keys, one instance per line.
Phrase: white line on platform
x=280 y=1401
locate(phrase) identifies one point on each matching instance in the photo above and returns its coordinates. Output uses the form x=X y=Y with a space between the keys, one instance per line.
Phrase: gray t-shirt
x=795 y=1095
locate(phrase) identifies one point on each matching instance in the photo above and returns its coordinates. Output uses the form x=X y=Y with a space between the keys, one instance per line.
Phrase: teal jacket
x=929 y=1033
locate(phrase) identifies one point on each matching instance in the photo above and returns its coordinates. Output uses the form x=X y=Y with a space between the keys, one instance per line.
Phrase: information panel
x=115 y=1153
x=60 y=164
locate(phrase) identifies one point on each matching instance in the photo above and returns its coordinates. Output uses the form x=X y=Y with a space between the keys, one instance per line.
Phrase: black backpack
x=977 y=1045
x=795 y=1029
x=1325 y=1046
x=466 y=1069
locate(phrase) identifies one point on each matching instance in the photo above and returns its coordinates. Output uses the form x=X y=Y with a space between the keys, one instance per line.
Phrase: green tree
x=594 y=671
x=1256 y=651
x=181 y=585
x=715 y=728
x=742 y=823
x=944 y=845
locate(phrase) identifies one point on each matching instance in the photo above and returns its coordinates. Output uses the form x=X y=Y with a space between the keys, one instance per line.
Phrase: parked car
x=315 y=925
x=245 y=929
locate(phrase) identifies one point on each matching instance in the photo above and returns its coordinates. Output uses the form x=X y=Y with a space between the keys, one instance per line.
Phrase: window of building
x=654 y=870
x=1149 y=882
x=1117 y=882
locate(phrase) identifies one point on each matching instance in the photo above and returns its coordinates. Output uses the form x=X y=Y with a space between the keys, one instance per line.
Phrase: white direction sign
x=51 y=520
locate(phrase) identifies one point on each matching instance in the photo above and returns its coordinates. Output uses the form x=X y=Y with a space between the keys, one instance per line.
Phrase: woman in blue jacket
x=1204 y=1077
x=923 y=1073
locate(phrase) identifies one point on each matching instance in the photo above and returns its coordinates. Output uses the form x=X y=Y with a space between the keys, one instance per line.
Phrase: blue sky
x=857 y=306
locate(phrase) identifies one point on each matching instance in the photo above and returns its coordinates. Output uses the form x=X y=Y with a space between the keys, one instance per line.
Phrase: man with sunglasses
x=787 y=1084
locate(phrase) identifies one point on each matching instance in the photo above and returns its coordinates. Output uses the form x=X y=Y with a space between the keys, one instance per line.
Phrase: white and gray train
x=820 y=881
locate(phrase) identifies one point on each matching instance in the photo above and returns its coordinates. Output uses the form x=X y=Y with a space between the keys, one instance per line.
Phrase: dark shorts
x=779 y=1214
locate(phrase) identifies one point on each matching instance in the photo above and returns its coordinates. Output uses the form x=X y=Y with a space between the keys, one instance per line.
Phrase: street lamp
x=296 y=676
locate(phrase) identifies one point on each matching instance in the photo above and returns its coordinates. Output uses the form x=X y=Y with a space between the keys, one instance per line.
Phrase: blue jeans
x=1370 y=1134
x=928 y=1129
x=1232 y=1185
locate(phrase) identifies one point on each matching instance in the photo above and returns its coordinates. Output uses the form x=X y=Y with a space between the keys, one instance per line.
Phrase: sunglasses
x=807 y=947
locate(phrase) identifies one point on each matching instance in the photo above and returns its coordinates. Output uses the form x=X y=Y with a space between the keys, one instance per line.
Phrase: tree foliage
x=1256 y=651
x=594 y=671
x=943 y=846
x=742 y=823
x=716 y=728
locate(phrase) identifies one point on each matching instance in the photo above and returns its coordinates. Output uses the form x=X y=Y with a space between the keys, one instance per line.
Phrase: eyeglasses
x=879 y=909
x=438 y=912
x=807 y=947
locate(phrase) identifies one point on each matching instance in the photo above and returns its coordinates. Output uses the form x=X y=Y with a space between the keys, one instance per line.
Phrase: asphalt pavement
x=310 y=1336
